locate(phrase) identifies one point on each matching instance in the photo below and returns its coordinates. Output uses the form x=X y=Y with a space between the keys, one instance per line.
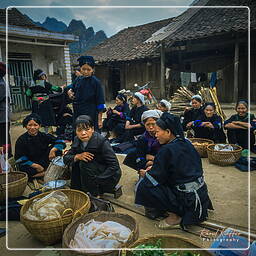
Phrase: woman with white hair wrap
x=147 y=145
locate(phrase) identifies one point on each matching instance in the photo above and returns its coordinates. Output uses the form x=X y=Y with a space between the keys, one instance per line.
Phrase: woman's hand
x=71 y=94
x=52 y=153
x=209 y=125
x=100 y=124
x=142 y=172
x=38 y=167
x=85 y=156
x=115 y=112
x=189 y=124
x=150 y=157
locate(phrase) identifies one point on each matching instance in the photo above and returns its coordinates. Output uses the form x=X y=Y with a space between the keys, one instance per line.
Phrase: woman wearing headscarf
x=133 y=125
x=237 y=126
x=191 y=114
x=116 y=117
x=39 y=93
x=34 y=149
x=174 y=184
x=87 y=93
x=209 y=125
x=95 y=168
x=164 y=106
x=147 y=146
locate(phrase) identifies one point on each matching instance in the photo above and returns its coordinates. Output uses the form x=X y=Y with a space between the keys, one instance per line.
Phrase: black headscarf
x=121 y=97
x=84 y=119
x=209 y=104
x=30 y=117
x=89 y=60
x=37 y=74
x=171 y=122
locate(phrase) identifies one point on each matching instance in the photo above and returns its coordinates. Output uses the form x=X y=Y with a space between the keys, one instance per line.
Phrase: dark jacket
x=103 y=154
x=191 y=115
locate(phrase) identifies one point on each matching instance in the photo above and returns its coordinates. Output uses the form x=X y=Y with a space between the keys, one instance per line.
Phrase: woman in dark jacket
x=147 y=146
x=87 y=93
x=175 y=183
x=237 y=126
x=116 y=117
x=35 y=149
x=209 y=125
x=133 y=125
x=41 y=103
x=95 y=168
x=191 y=114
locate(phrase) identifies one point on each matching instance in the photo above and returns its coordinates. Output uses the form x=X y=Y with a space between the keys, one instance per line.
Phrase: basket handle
x=75 y=215
x=70 y=210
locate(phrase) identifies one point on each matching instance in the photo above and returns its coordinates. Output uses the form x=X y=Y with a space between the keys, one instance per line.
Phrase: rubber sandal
x=164 y=225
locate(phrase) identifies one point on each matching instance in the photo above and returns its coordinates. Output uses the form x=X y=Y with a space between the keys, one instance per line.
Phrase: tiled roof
x=128 y=43
x=210 y=21
x=16 y=18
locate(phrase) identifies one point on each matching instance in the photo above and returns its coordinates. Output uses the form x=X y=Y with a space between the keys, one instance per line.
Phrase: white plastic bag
x=4 y=165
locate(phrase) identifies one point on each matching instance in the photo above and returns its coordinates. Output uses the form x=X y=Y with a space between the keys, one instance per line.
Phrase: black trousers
x=84 y=178
x=240 y=137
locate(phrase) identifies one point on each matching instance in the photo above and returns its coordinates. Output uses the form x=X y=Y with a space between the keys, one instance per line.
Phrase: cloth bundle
x=223 y=147
x=96 y=234
x=49 y=207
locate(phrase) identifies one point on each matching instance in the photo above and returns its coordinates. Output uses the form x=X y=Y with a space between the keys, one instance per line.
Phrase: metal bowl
x=55 y=184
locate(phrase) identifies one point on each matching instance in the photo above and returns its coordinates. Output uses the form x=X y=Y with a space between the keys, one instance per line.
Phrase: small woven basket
x=123 y=219
x=17 y=182
x=169 y=241
x=202 y=147
x=50 y=231
x=224 y=158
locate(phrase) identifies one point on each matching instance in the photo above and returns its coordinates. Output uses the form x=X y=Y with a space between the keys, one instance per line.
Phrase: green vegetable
x=159 y=252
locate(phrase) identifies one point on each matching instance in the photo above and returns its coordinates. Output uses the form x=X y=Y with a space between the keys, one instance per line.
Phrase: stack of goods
x=97 y=234
x=49 y=207
x=182 y=99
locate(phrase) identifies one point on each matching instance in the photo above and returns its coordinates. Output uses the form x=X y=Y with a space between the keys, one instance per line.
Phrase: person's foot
x=171 y=222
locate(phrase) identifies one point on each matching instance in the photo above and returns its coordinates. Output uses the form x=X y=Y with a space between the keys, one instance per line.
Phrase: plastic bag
x=55 y=169
x=96 y=234
x=4 y=165
x=49 y=207
x=223 y=147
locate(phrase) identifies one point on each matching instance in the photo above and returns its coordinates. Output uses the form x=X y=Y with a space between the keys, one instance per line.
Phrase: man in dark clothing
x=95 y=168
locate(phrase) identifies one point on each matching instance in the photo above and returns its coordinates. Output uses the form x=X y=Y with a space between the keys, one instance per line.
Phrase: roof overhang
x=26 y=33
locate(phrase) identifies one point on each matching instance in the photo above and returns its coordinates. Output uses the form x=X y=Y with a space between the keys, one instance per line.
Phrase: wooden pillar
x=162 y=77
x=236 y=67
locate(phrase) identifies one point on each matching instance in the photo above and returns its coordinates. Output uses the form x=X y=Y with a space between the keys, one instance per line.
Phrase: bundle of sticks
x=182 y=98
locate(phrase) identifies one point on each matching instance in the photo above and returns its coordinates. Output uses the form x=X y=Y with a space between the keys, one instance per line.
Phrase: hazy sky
x=111 y=20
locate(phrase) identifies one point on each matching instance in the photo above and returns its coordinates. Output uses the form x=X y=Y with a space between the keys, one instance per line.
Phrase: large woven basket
x=170 y=241
x=123 y=219
x=51 y=231
x=201 y=149
x=17 y=182
x=223 y=158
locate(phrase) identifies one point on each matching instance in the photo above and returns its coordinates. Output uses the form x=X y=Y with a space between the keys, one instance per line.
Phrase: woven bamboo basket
x=17 y=182
x=170 y=241
x=123 y=219
x=201 y=149
x=224 y=158
x=50 y=231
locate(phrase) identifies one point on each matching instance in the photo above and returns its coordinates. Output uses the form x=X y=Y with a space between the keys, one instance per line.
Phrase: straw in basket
x=51 y=231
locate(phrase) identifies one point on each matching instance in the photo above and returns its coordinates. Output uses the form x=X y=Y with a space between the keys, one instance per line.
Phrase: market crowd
x=170 y=174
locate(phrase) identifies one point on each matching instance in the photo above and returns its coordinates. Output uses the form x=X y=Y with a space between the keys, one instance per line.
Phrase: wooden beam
x=236 y=66
x=162 y=78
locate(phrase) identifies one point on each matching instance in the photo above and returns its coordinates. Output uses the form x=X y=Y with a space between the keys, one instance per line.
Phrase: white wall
x=42 y=56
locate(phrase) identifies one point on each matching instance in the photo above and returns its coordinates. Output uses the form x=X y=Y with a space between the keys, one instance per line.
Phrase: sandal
x=164 y=225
